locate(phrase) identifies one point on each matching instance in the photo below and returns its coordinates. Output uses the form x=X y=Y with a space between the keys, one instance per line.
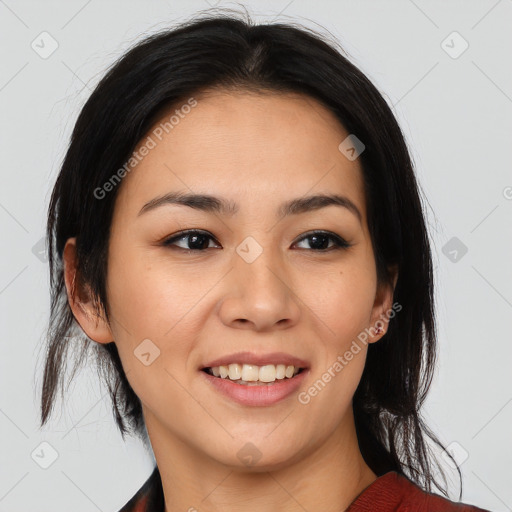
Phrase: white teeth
x=250 y=373
x=235 y=372
x=267 y=373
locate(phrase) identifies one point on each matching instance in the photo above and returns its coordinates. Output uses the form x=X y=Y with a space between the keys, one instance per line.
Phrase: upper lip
x=257 y=360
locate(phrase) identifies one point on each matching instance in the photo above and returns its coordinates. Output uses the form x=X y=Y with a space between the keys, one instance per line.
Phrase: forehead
x=258 y=147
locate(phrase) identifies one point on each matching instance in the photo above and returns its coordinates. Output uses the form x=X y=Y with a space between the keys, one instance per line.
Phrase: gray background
x=455 y=111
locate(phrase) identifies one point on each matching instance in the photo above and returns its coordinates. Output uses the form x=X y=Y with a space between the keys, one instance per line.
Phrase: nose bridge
x=256 y=267
x=260 y=294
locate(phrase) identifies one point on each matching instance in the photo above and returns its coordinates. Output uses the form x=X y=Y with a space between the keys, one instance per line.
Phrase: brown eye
x=194 y=240
x=319 y=241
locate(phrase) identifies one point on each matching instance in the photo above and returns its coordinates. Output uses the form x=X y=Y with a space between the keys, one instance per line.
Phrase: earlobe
x=80 y=298
x=382 y=307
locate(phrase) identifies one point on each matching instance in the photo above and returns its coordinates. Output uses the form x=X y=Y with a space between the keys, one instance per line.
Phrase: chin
x=258 y=456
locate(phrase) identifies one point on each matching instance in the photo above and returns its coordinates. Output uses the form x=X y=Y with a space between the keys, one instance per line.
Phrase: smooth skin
x=257 y=150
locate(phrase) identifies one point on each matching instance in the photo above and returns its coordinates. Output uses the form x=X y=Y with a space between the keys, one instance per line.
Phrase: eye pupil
x=193 y=241
x=316 y=244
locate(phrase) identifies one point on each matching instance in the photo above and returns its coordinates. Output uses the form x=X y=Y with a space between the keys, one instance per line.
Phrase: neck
x=327 y=478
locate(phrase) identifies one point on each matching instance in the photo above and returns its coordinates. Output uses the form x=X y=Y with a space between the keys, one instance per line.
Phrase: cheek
x=153 y=300
x=343 y=299
x=149 y=316
x=147 y=296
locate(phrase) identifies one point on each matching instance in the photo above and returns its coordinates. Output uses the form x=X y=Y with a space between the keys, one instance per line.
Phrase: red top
x=395 y=493
x=388 y=493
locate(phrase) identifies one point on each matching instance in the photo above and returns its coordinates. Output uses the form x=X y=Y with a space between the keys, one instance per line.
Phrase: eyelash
x=339 y=243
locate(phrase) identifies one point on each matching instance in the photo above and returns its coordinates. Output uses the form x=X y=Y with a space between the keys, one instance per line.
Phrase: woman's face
x=251 y=281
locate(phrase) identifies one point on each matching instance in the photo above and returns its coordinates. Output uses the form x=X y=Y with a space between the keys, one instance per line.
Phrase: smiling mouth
x=252 y=375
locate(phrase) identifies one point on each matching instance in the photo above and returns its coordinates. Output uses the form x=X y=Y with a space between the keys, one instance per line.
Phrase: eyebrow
x=213 y=204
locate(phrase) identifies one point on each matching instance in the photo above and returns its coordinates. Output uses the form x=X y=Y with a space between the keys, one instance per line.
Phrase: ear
x=382 y=306
x=85 y=309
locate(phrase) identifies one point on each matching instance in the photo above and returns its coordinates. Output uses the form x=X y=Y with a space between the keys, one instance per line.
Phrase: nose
x=259 y=295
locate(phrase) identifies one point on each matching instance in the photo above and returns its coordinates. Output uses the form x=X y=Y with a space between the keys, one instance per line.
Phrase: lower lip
x=256 y=395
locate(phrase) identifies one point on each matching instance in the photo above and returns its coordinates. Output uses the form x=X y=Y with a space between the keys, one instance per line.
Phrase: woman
x=266 y=368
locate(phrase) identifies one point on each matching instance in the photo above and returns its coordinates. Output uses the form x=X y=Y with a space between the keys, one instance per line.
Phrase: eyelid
x=168 y=240
x=339 y=241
